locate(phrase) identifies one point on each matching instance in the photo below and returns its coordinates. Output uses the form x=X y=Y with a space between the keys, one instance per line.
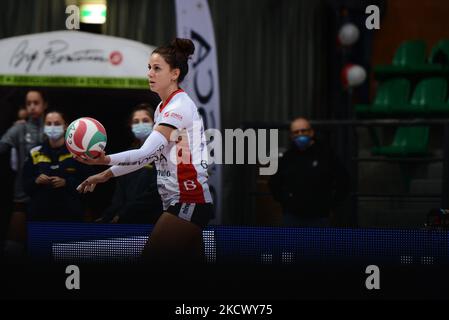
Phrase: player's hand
x=43 y=179
x=115 y=219
x=102 y=159
x=90 y=183
x=57 y=182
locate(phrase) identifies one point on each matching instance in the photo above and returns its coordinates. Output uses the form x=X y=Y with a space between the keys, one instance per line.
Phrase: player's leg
x=174 y=240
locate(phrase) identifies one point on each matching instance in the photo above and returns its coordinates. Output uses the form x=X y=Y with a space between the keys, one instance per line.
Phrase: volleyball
x=86 y=138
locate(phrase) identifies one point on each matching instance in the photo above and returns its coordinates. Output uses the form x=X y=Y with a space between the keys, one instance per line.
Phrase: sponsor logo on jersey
x=175 y=115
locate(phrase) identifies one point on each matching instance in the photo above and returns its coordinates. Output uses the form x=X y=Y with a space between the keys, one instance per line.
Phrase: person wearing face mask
x=136 y=199
x=51 y=176
x=311 y=181
x=16 y=143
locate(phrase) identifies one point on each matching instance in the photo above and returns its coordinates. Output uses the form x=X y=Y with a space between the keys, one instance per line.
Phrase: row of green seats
x=407 y=141
x=392 y=98
x=410 y=59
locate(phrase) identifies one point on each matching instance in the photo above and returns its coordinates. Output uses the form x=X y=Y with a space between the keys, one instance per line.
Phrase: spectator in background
x=310 y=181
x=21 y=137
x=51 y=176
x=136 y=199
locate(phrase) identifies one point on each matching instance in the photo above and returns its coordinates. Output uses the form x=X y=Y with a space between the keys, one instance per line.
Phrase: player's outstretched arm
x=90 y=183
x=157 y=139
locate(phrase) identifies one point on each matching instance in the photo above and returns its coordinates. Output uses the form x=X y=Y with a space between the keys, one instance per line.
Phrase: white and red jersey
x=182 y=164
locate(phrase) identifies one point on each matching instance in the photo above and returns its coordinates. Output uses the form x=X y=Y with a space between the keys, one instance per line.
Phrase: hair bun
x=183 y=46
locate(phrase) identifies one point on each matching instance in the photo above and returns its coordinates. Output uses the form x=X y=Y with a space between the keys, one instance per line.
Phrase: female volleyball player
x=177 y=145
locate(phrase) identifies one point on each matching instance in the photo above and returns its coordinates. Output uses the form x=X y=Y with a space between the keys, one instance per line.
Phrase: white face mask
x=142 y=130
x=54 y=132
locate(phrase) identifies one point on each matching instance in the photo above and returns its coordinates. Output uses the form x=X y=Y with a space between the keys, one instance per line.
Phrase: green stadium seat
x=409 y=54
x=407 y=141
x=440 y=109
x=440 y=53
x=428 y=96
x=391 y=95
x=409 y=59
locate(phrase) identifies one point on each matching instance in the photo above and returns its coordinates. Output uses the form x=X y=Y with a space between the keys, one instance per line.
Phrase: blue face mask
x=302 y=142
x=54 y=132
x=142 y=130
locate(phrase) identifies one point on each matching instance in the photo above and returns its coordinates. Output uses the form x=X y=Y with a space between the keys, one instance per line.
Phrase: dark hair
x=176 y=54
x=60 y=113
x=41 y=92
x=142 y=107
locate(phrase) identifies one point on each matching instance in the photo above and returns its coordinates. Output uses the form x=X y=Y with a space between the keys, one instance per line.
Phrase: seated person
x=136 y=199
x=51 y=176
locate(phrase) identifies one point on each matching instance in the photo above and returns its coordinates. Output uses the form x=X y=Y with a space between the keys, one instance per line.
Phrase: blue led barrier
x=118 y=243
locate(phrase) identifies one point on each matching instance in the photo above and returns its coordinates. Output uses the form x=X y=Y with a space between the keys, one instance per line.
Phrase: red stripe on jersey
x=191 y=191
x=169 y=98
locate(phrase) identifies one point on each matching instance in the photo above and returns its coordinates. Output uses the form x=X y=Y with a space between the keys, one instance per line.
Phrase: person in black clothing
x=310 y=181
x=136 y=199
x=51 y=176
